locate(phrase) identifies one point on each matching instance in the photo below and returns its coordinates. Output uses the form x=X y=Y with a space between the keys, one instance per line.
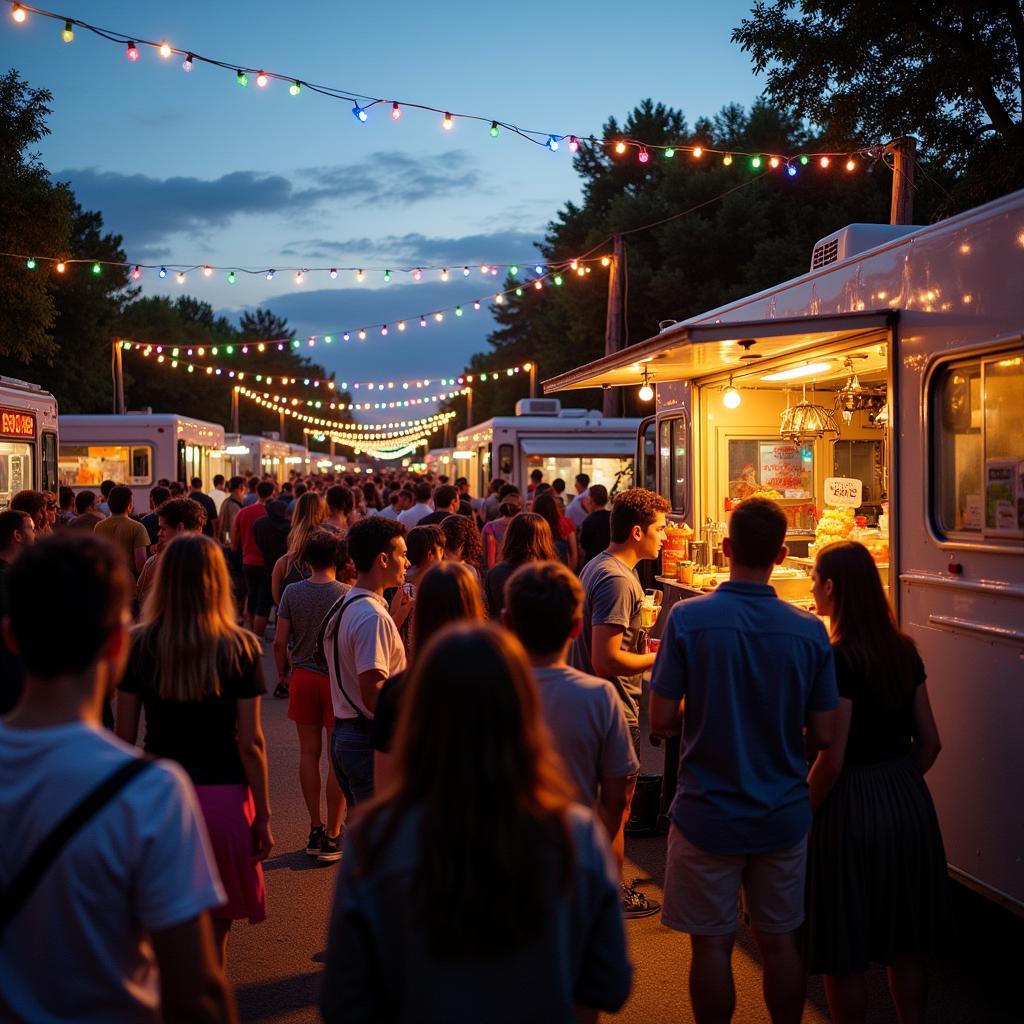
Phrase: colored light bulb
x=295 y=88
x=61 y=267
x=494 y=129
x=400 y=325
x=605 y=261
x=791 y=170
x=774 y=161
x=68 y=35
x=851 y=164
x=299 y=277
x=552 y=144
x=359 y=114
x=360 y=277
x=620 y=148
x=755 y=162
x=165 y=49
x=513 y=270
x=132 y=51
x=439 y=316
x=538 y=284
x=574 y=144
x=458 y=311
x=186 y=64
x=669 y=152
x=137 y=273
x=231 y=277
x=465 y=271
x=19 y=14
x=644 y=156
x=558 y=279
x=538 y=269
x=727 y=159
x=387 y=275
x=181 y=277
x=207 y=271
x=241 y=78
x=162 y=272
x=362 y=334
x=262 y=80
x=384 y=331
x=396 y=112
x=423 y=321
x=448 y=123
x=270 y=275
x=30 y=263
x=417 y=274
x=824 y=162
x=499 y=299
x=476 y=304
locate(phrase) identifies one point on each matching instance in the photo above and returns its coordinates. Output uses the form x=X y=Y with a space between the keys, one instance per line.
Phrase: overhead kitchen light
x=731 y=397
x=807 y=421
x=796 y=372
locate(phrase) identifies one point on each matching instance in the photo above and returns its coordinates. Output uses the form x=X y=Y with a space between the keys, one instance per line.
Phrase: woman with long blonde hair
x=197 y=674
x=474 y=870
x=308 y=515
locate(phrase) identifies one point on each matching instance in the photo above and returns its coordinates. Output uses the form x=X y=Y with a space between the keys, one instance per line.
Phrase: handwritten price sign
x=841 y=491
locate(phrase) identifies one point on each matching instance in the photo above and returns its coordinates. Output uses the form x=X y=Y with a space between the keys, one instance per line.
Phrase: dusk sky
x=191 y=168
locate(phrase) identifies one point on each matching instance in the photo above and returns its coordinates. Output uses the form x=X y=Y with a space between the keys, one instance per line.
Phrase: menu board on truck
x=1004 y=498
x=784 y=467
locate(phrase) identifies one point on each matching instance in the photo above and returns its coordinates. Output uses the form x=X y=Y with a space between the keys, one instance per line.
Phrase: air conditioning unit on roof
x=854 y=239
x=538 y=407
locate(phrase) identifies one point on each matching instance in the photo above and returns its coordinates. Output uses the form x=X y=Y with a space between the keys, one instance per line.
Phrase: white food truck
x=542 y=435
x=137 y=449
x=28 y=439
x=890 y=377
x=257 y=455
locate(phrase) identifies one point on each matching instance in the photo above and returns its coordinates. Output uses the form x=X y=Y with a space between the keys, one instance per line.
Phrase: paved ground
x=276 y=966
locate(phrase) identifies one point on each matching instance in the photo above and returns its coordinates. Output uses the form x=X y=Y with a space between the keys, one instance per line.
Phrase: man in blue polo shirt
x=742 y=675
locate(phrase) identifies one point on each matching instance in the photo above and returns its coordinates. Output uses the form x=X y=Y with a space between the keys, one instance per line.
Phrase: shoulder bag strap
x=21 y=887
x=337 y=662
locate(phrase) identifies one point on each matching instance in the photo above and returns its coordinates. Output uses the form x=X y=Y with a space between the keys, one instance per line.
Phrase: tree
x=951 y=74
x=35 y=219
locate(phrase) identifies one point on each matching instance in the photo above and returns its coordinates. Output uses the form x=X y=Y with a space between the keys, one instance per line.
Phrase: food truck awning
x=686 y=351
x=585 y=444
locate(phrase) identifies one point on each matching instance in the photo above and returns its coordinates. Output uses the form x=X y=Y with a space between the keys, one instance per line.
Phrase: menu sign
x=781 y=468
x=1004 y=498
x=843 y=492
x=16 y=423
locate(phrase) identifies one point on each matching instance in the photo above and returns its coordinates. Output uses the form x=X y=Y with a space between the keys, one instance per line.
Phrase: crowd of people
x=476 y=667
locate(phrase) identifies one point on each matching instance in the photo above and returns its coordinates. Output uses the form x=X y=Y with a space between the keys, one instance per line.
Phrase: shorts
x=702 y=889
x=257 y=589
x=309 y=698
x=352 y=759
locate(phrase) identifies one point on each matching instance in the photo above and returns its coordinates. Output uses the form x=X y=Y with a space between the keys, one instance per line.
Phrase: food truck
x=440 y=461
x=28 y=439
x=137 y=449
x=542 y=435
x=258 y=455
x=879 y=396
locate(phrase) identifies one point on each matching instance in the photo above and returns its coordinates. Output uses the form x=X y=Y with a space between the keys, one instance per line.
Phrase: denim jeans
x=352 y=759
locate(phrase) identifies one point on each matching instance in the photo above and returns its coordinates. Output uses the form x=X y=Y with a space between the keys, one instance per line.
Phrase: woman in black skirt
x=877 y=882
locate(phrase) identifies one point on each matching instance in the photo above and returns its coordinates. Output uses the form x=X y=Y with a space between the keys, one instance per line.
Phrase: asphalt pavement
x=276 y=966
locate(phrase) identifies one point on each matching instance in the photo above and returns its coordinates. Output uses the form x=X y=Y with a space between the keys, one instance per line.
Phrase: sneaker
x=281 y=690
x=331 y=849
x=635 y=904
x=315 y=843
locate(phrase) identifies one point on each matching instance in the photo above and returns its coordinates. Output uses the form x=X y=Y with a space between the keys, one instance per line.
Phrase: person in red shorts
x=304 y=605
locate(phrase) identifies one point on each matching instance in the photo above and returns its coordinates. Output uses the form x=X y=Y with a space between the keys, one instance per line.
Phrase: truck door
x=645 y=463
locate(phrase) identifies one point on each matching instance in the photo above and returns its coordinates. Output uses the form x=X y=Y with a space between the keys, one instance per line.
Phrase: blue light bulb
x=359 y=114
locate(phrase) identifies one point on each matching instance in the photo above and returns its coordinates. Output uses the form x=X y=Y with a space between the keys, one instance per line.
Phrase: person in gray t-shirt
x=609 y=644
x=304 y=606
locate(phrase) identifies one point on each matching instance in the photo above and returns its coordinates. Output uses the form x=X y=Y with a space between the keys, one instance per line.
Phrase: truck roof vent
x=538 y=407
x=855 y=239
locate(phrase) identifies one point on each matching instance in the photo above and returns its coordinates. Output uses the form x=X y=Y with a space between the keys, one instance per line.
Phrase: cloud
x=146 y=209
x=498 y=246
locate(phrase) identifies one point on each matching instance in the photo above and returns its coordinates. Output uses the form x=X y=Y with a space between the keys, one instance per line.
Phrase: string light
x=448 y=123
x=620 y=148
x=207 y=271
x=334 y=273
x=727 y=159
x=669 y=153
x=270 y=275
x=698 y=152
x=824 y=162
x=242 y=78
x=165 y=49
x=186 y=64
x=444 y=274
x=262 y=80
x=396 y=112
x=30 y=263
x=574 y=144
x=851 y=164
x=295 y=88
x=359 y=114
x=181 y=277
x=552 y=144
x=360 y=277
x=97 y=269
x=68 y=35
x=132 y=51
x=136 y=273
x=162 y=273
x=61 y=267
x=19 y=14
x=644 y=156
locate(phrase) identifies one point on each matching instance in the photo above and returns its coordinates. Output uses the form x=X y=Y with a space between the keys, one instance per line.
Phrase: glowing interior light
x=552 y=143
x=132 y=51
x=162 y=272
x=186 y=64
x=207 y=271
x=417 y=274
x=494 y=129
x=795 y=372
x=241 y=78
x=97 y=269
x=19 y=14
x=448 y=123
x=68 y=35
x=620 y=148
x=295 y=88
x=731 y=397
x=61 y=267
x=574 y=144
x=396 y=112
x=824 y=161
x=165 y=49
x=262 y=80
x=359 y=114
x=646 y=393
x=727 y=159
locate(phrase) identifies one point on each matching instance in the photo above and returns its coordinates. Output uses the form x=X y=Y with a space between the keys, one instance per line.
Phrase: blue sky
x=192 y=168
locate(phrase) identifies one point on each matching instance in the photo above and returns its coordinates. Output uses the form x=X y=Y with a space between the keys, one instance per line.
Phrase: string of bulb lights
x=173 y=354
x=363 y=105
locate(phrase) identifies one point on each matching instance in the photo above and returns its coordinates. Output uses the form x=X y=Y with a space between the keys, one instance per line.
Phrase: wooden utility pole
x=613 y=319
x=280 y=431
x=533 y=378
x=469 y=407
x=904 y=161
x=234 y=411
x=118 y=371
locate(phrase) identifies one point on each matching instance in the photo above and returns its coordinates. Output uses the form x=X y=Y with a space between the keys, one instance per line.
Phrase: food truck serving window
x=977 y=456
x=89 y=465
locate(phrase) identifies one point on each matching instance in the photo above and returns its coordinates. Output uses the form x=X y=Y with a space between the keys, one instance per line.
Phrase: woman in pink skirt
x=198 y=677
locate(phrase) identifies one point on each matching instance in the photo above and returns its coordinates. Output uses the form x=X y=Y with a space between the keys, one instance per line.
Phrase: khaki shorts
x=702 y=890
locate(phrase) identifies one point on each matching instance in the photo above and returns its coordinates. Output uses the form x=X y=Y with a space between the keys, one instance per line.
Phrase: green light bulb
x=30 y=263
x=513 y=270
x=97 y=269
x=803 y=160
x=756 y=162
x=494 y=129
x=242 y=78
x=669 y=153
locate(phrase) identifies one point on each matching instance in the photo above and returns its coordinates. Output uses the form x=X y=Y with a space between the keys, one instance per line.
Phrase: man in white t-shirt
x=544 y=608
x=363 y=648
x=411 y=516
x=117 y=928
x=579 y=507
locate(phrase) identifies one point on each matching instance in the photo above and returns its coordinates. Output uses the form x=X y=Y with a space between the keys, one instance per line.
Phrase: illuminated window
x=89 y=465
